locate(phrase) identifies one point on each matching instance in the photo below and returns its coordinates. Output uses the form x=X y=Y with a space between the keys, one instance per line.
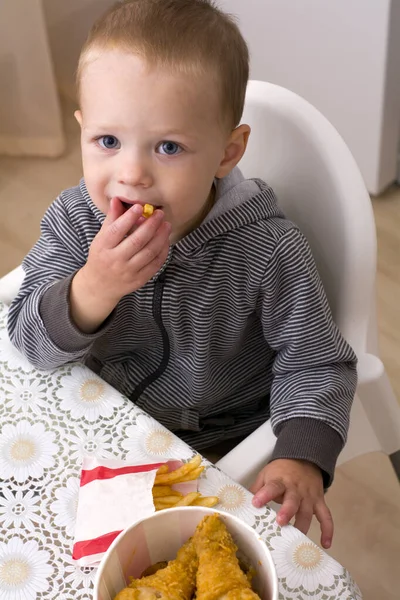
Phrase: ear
x=78 y=117
x=234 y=150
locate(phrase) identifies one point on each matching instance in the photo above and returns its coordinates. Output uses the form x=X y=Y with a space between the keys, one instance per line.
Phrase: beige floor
x=365 y=497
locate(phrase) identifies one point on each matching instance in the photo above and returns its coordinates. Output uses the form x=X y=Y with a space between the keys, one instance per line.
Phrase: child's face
x=153 y=137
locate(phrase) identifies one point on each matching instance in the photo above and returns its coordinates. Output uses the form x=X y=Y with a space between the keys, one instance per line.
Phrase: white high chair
x=318 y=184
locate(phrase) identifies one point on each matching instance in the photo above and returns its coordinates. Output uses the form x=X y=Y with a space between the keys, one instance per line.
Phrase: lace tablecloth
x=49 y=420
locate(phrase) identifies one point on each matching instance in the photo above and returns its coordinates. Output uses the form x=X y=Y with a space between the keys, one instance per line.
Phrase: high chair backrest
x=319 y=187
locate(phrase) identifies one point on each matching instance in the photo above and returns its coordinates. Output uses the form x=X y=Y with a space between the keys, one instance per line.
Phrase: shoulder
x=71 y=215
x=268 y=247
x=73 y=205
x=259 y=221
x=267 y=235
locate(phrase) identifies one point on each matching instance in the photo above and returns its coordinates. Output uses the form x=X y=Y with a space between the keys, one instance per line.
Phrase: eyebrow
x=171 y=133
x=159 y=134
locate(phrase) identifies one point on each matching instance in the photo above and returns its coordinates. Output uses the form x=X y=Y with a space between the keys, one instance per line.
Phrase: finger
x=304 y=517
x=271 y=490
x=290 y=506
x=115 y=210
x=145 y=274
x=152 y=250
x=257 y=485
x=115 y=228
x=143 y=235
x=140 y=221
x=324 y=516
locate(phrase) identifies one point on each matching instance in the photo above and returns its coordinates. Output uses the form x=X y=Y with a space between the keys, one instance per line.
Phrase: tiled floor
x=365 y=497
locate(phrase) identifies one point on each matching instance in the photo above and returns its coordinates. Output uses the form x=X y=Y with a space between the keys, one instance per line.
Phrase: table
x=48 y=421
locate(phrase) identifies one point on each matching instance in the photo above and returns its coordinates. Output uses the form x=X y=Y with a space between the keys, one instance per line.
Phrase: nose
x=134 y=170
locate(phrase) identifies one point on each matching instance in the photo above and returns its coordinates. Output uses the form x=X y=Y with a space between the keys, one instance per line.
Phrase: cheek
x=189 y=188
x=93 y=181
x=93 y=161
x=195 y=177
x=96 y=185
x=96 y=174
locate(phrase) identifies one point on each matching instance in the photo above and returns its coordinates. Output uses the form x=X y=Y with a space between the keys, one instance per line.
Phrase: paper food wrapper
x=113 y=494
x=159 y=538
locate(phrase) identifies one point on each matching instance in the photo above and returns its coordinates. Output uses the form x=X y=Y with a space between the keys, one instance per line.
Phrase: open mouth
x=128 y=205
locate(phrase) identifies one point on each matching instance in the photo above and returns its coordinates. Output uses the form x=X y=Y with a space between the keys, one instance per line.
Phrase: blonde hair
x=190 y=36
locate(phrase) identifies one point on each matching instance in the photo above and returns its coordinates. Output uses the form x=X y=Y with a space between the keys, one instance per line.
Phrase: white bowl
x=159 y=537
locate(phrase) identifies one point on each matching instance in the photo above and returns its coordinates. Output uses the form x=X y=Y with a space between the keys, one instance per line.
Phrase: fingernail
x=327 y=543
x=137 y=209
x=257 y=502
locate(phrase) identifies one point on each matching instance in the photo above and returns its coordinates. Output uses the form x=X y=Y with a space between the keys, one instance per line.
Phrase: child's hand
x=122 y=258
x=298 y=486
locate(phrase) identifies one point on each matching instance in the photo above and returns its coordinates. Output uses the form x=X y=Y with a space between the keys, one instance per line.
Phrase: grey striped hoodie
x=235 y=329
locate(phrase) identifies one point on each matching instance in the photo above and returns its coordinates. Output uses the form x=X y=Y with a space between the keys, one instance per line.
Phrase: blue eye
x=169 y=148
x=109 y=142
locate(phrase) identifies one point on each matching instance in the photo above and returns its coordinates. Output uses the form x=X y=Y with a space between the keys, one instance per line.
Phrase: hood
x=238 y=202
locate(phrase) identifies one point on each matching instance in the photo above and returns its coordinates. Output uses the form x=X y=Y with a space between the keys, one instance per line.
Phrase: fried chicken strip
x=219 y=576
x=176 y=582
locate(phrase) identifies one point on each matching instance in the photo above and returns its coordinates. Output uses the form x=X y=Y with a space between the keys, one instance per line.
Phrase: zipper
x=157 y=314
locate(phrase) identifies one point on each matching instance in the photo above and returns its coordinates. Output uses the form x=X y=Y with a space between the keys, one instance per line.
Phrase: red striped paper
x=112 y=496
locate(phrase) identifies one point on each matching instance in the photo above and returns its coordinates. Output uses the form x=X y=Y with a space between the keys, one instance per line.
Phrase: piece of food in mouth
x=148 y=210
x=219 y=576
x=175 y=582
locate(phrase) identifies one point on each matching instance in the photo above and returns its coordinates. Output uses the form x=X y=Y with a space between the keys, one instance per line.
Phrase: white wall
x=68 y=23
x=30 y=120
x=341 y=55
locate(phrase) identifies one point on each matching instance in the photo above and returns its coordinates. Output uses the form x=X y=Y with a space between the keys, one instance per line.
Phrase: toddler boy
x=210 y=314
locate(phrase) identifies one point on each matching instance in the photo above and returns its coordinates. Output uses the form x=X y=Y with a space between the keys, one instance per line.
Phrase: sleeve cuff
x=55 y=313
x=311 y=440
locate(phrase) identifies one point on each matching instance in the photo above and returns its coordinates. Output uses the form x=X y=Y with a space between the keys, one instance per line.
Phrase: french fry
x=160 y=505
x=178 y=475
x=161 y=490
x=191 y=499
x=165 y=490
x=208 y=501
x=188 y=499
x=168 y=500
x=164 y=496
x=163 y=469
x=191 y=476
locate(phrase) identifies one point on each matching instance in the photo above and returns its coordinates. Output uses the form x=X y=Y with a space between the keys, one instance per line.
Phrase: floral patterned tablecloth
x=49 y=420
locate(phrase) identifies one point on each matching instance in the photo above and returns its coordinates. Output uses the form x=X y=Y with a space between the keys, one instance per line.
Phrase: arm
x=315 y=369
x=69 y=294
x=314 y=383
x=39 y=321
